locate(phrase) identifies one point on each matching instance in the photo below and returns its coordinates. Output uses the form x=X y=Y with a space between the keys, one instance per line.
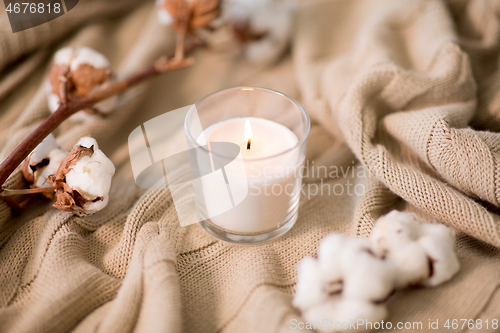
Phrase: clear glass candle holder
x=249 y=152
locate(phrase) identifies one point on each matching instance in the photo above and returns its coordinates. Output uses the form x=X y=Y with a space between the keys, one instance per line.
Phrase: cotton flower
x=410 y=263
x=328 y=256
x=43 y=150
x=394 y=229
x=338 y=310
x=187 y=14
x=85 y=71
x=421 y=253
x=352 y=277
x=394 y=238
x=83 y=179
x=263 y=26
x=43 y=162
x=55 y=157
x=344 y=283
x=310 y=290
x=352 y=262
x=164 y=16
x=367 y=278
x=437 y=241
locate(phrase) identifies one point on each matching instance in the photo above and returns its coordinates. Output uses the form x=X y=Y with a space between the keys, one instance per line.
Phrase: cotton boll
x=392 y=230
x=443 y=259
x=53 y=100
x=439 y=230
x=351 y=261
x=43 y=150
x=351 y=248
x=412 y=254
x=64 y=56
x=88 y=56
x=241 y=9
x=352 y=310
x=326 y=311
x=273 y=16
x=369 y=279
x=88 y=142
x=339 y=310
x=400 y=224
x=309 y=290
x=275 y=22
x=329 y=252
x=187 y=15
x=55 y=157
x=164 y=16
x=438 y=242
x=409 y=245
x=86 y=71
x=265 y=51
x=92 y=175
x=410 y=264
x=83 y=179
x=267 y=26
x=93 y=207
x=42 y=162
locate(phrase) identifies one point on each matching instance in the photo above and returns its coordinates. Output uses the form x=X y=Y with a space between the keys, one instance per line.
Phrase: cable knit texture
x=404 y=92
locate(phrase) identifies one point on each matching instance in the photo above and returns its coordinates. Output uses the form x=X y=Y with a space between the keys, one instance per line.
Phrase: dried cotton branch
x=81 y=71
x=69 y=105
x=81 y=80
x=78 y=181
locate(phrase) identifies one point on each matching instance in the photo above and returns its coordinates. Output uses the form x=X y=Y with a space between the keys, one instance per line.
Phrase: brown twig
x=9 y=193
x=74 y=105
x=63 y=87
x=179 y=47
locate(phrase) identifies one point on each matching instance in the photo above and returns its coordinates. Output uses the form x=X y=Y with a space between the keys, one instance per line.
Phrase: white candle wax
x=271 y=175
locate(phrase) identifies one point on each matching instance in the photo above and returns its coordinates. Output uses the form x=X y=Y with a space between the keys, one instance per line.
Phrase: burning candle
x=248 y=134
x=248 y=145
x=271 y=171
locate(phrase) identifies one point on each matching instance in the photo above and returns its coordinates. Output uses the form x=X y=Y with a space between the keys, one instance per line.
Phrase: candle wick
x=249 y=143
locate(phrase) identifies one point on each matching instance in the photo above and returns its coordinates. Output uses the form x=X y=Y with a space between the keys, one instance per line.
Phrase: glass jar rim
x=301 y=140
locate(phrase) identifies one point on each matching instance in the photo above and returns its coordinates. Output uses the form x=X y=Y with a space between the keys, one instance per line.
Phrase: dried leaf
x=81 y=82
x=27 y=171
x=86 y=78
x=76 y=154
x=82 y=197
x=32 y=172
x=64 y=201
x=56 y=71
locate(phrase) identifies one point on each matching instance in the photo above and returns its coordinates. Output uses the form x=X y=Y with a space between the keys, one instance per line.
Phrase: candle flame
x=248 y=134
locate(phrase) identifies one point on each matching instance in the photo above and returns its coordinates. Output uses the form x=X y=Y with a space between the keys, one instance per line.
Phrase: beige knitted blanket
x=406 y=93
